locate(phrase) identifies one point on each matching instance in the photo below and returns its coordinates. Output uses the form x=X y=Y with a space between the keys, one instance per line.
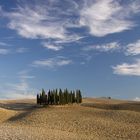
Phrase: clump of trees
x=59 y=97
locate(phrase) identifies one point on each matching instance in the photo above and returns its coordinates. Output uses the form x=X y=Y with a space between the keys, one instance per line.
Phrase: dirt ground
x=94 y=119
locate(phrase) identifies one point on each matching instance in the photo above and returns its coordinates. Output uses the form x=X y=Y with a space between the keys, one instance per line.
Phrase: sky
x=92 y=45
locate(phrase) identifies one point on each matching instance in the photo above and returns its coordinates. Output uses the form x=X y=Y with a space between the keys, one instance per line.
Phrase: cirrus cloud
x=105 y=17
x=43 y=20
x=133 y=48
x=128 y=69
x=51 y=46
x=4 y=51
x=52 y=62
x=103 y=47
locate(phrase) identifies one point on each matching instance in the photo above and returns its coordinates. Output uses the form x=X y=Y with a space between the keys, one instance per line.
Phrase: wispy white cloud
x=103 y=47
x=21 y=50
x=21 y=86
x=4 y=51
x=70 y=39
x=128 y=69
x=52 y=62
x=43 y=20
x=24 y=74
x=105 y=17
x=51 y=46
x=34 y=24
x=13 y=95
x=4 y=44
x=0 y=10
x=20 y=89
x=133 y=48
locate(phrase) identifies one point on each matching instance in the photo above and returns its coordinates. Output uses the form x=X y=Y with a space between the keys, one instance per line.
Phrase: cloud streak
x=4 y=44
x=4 y=51
x=133 y=48
x=103 y=47
x=42 y=20
x=108 y=16
x=51 y=46
x=128 y=69
x=18 y=90
x=52 y=62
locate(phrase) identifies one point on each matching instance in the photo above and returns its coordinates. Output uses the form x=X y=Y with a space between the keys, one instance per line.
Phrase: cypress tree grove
x=61 y=97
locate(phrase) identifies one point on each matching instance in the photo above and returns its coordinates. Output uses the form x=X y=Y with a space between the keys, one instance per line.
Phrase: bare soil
x=94 y=119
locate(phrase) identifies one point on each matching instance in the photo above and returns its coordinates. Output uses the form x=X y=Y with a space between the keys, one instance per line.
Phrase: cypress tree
x=52 y=97
x=37 y=98
x=80 y=97
x=60 y=97
x=40 y=97
x=65 y=96
x=73 y=97
x=49 y=97
x=46 y=100
x=77 y=96
x=43 y=96
x=56 y=96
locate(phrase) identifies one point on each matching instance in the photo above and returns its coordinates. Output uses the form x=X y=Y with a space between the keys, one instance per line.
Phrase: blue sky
x=92 y=45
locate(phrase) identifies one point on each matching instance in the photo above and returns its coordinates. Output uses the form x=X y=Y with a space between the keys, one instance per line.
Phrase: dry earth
x=94 y=119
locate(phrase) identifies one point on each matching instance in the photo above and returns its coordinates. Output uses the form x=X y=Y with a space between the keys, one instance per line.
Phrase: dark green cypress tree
x=71 y=97
x=40 y=97
x=49 y=97
x=63 y=97
x=66 y=96
x=43 y=96
x=56 y=96
x=37 y=98
x=52 y=97
x=80 y=97
x=46 y=100
x=77 y=96
x=60 y=97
